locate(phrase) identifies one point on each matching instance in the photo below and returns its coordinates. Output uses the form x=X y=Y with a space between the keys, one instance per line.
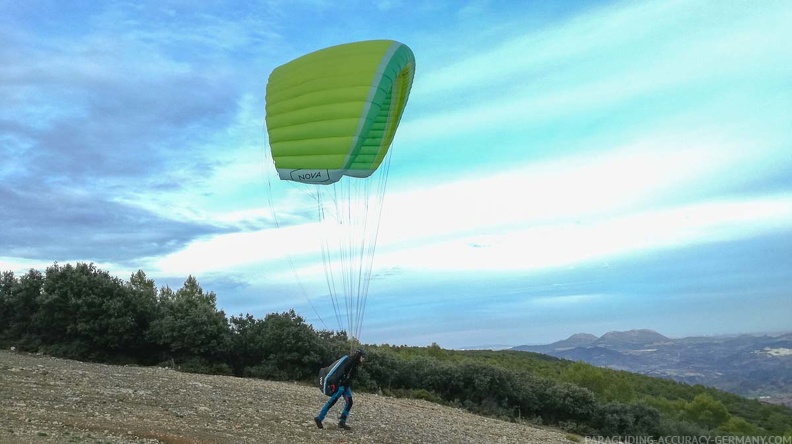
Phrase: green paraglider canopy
x=334 y=112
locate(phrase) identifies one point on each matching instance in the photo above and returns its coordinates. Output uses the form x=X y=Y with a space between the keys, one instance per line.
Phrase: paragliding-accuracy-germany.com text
x=689 y=439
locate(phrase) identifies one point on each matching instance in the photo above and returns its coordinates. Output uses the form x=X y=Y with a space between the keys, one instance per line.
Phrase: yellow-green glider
x=334 y=112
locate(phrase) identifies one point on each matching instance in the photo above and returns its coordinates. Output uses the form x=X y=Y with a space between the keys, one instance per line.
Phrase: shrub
x=616 y=419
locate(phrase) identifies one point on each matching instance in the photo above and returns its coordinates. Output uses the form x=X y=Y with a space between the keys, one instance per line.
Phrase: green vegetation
x=81 y=312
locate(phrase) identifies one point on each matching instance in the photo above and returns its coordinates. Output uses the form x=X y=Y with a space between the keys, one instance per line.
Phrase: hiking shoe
x=343 y=425
x=318 y=423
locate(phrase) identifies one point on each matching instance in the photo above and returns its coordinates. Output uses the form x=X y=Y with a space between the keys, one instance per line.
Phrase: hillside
x=748 y=365
x=49 y=400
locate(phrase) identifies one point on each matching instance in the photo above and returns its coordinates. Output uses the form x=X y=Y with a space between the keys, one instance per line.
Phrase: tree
x=85 y=313
x=22 y=305
x=706 y=411
x=737 y=426
x=291 y=347
x=610 y=385
x=7 y=284
x=247 y=345
x=638 y=419
x=569 y=402
x=188 y=324
x=142 y=305
x=381 y=369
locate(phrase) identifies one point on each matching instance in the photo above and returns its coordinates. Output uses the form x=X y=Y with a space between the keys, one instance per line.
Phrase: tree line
x=81 y=312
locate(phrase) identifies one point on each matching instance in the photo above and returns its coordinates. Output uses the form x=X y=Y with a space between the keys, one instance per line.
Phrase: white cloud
x=21 y=266
x=556 y=245
x=230 y=251
x=561 y=190
x=548 y=214
x=646 y=36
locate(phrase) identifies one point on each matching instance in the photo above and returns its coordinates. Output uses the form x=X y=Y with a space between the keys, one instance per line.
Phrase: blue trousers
x=346 y=392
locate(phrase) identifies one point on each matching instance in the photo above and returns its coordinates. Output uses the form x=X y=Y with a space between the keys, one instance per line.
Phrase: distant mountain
x=616 y=339
x=577 y=340
x=580 y=339
x=748 y=365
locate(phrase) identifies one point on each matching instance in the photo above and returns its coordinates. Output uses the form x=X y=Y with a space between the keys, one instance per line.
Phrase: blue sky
x=561 y=167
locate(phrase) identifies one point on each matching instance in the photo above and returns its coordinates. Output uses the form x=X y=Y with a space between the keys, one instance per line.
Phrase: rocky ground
x=48 y=400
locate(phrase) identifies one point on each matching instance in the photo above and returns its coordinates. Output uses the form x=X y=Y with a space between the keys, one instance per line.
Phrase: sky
x=561 y=167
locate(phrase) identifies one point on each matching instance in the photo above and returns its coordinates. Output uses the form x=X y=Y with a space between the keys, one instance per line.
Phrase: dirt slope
x=46 y=400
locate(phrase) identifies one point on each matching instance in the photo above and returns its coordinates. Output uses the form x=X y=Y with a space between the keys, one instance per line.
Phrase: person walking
x=341 y=383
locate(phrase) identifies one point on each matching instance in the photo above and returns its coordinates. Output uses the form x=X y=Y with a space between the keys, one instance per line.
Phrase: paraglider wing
x=334 y=112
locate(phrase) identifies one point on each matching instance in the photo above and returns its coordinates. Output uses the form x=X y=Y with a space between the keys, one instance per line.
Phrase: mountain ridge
x=751 y=365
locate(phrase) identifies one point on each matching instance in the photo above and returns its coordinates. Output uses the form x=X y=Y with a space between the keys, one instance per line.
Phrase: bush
x=616 y=419
x=674 y=427
x=188 y=324
x=564 y=402
x=427 y=396
x=707 y=412
x=204 y=366
x=291 y=347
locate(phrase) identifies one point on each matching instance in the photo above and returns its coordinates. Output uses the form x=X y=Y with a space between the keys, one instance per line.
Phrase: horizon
x=720 y=335
x=559 y=168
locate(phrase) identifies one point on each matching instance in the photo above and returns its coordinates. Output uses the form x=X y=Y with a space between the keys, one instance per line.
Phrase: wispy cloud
x=586 y=66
